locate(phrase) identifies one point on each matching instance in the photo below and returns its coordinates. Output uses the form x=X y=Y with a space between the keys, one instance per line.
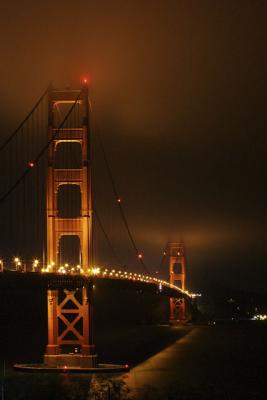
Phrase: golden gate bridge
x=46 y=207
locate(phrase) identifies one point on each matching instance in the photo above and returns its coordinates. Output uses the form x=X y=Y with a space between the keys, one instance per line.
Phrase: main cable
x=13 y=134
x=163 y=257
x=115 y=255
x=118 y=200
x=40 y=154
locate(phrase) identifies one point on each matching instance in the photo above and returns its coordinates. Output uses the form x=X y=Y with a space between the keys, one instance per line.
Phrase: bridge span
x=51 y=180
x=50 y=280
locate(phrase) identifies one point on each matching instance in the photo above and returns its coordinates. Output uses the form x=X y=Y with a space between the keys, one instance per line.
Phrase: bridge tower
x=77 y=131
x=69 y=308
x=177 y=271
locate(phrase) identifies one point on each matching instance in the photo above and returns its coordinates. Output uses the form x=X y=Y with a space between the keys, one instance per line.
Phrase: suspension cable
x=114 y=253
x=40 y=154
x=118 y=200
x=13 y=134
x=163 y=258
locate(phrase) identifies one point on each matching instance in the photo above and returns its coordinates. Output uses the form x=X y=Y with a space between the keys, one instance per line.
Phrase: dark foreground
x=220 y=362
x=203 y=362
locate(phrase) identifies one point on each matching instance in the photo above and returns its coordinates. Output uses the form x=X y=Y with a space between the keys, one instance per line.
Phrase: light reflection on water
x=26 y=386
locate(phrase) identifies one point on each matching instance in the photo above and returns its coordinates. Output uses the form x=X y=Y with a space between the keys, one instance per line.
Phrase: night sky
x=178 y=91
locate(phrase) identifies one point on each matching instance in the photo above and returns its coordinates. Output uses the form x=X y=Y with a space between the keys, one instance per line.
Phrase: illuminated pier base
x=69 y=329
x=70 y=347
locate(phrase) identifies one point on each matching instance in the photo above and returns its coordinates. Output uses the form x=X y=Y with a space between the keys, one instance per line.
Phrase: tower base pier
x=71 y=360
x=100 y=369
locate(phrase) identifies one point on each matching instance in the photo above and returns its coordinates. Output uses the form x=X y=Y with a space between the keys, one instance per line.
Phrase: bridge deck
x=71 y=281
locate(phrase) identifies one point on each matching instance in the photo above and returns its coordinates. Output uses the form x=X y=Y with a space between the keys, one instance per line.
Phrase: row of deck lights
x=97 y=271
x=19 y=266
x=108 y=273
x=134 y=277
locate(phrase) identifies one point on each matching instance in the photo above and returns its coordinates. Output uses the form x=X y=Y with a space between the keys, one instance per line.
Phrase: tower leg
x=72 y=333
x=52 y=347
x=87 y=347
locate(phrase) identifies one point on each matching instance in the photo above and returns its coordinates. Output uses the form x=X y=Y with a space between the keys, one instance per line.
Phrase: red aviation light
x=31 y=164
x=119 y=200
x=140 y=256
x=85 y=80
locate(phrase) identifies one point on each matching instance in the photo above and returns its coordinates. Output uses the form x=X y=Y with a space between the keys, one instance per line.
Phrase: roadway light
x=17 y=262
x=95 y=271
x=35 y=265
x=52 y=265
x=196 y=295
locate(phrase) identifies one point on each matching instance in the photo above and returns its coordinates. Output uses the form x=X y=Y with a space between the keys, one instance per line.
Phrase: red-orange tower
x=69 y=309
x=77 y=131
x=177 y=270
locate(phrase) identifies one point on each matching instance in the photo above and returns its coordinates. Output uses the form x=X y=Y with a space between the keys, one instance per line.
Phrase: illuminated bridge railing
x=72 y=277
x=131 y=276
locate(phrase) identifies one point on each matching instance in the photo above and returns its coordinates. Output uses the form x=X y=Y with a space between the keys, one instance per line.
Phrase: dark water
x=202 y=362
x=119 y=344
x=220 y=362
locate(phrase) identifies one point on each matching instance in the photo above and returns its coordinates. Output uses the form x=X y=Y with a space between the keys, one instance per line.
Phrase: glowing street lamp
x=96 y=270
x=50 y=266
x=35 y=265
x=17 y=263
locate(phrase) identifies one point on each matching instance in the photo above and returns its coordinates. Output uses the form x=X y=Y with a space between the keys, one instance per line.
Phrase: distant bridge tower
x=177 y=270
x=69 y=307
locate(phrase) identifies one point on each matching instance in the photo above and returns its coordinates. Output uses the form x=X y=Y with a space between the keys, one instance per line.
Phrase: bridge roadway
x=49 y=280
